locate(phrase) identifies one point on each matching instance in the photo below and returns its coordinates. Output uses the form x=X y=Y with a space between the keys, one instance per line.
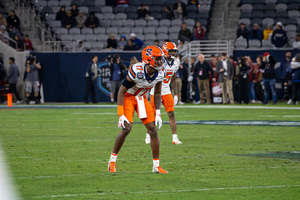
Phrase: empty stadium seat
x=148 y=42
x=99 y=2
x=86 y=31
x=173 y=37
x=79 y=37
x=154 y=8
x=134 y=2
x=165 y=22
x=176 y=22
x=87 y=45
x=204 y=8
x=129 y=23
x=153 y=23
x=74 y=31
x=150 y=36
x=269 y=6
x=292 y=6
x=132 y=15
x=102 y=37
x=270 y=14
x=174 y=29
x=84 y=9
x=246 y=14
x=290 y=27
x=105 y=23
x=246 y=7
x=281 y=7
x=247 y=1
x=162 y=36
x=291 y=21
x=95 y=9
x=202 y=21
x=53 y=3
x=99 y=30
x=112 y=30
x=99 y=16
x=140 y=36
x=158 y=2
x=109 y=16
x=107 y=9
x=117 y=23
x=66 y=37
x=267 y=43
x=257 y=14
x=88 y=3
x=191 y=15
x=50 y=17
x=282 y=14
x=90 y=38
x=258 y=1
x=257 y=7
x=271 y=1
x=131 y=9
x=55 y=9
x=61 y=31
x=137 y=30
x=119 y=9
x=149 y=30
x=282 y=20
x=97 y=45
x=254 y=43
x=162 y=29
x=267 y=21
x=124 y=30
x=202 y=15
x=191 y=22
x=141 y=23
x=191 y=8
x=294 y=13
x=65 y=3
x=245 y=21
x=77 y=2
x=240 y=43
x=291 y=35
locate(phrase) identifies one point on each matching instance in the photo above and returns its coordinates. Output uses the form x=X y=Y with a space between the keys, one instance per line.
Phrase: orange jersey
x=143 y=83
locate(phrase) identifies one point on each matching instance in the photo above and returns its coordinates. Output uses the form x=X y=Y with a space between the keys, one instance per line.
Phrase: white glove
x=175 y=99
x=158 y=120
x=122 y=120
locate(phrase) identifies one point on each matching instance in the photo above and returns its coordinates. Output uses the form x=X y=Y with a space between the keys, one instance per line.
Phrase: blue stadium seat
x=131 y=9
x=202 y=15
x=157 y=15
x=292 y=6
x=270 y=6
x=246 y=14
x=257 y=21
x=134 y=2
x=119 y=10
x=258 y=6
x=191 y=8
x=270 y=14
x=191 y=15
x=257 y=14
x=158 y=2
x=132 y=15
x=281 y=14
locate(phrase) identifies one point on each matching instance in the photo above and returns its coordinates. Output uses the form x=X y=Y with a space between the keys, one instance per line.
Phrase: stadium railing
x=10 y=39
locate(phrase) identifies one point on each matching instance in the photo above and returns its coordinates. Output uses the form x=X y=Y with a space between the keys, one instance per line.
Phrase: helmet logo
x=148 y=52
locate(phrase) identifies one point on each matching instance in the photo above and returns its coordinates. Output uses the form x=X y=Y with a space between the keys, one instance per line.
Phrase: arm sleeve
x=211 y=71
x=131 y=73
x=10 y=73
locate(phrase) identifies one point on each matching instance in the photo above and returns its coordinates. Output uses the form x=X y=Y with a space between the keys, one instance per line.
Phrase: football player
x=141 y=78
x=171 y=65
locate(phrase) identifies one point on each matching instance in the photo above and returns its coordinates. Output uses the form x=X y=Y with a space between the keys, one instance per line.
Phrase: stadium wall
x=63 y=75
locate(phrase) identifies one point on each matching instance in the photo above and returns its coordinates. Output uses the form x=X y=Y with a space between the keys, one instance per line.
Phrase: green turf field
x=63 y=154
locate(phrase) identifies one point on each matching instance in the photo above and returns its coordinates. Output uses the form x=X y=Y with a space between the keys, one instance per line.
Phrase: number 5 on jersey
x=168 y=76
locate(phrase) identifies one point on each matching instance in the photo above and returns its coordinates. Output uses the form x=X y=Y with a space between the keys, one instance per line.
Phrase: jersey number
x=139 y=90
x=168 y=77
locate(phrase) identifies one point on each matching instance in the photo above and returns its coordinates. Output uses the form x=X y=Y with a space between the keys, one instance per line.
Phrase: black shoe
x=27 y=101
x=86 y=102
x=95 y=101
x=37 y=101
x=112 y=102
x=265 y=103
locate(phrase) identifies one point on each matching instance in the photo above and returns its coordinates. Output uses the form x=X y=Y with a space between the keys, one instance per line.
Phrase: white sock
x=155 y=162
x=175 y=137
x=112 y=100
x=147 y=135
x=113 y=157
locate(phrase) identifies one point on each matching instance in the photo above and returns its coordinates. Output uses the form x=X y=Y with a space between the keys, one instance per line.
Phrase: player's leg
x=168 y=103
x=129 y=108
x=152 y=130
x=147 y=140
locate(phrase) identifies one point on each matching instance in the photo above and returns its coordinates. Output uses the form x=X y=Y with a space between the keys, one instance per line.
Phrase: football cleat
x=159 y=170
x=147 y=140
x=176 y=142
x=112 y=167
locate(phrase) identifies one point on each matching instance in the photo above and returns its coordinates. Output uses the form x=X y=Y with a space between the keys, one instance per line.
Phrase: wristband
x=120 y=110
x=158 y=112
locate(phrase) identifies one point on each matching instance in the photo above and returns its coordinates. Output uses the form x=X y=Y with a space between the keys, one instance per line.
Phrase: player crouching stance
x=171 y=65
x=141 y=78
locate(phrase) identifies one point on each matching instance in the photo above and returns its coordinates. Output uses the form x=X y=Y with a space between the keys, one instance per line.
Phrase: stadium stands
x=123 y=20
x=269 y=12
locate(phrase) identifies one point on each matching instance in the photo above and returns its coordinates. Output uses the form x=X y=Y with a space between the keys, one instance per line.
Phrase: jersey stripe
x=133 y=74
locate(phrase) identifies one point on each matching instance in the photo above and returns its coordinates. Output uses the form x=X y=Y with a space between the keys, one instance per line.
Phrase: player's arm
x=174 y=87
x=157 y=102
x=126 y=84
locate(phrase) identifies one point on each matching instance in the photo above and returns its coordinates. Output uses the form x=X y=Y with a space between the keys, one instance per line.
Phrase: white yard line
x=167 y=191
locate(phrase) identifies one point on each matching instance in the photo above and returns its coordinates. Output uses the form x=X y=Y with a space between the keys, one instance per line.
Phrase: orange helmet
x=150 y=54
x=170 y=46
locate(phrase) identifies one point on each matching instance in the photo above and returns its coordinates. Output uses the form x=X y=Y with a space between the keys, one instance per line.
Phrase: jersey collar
x=170 y=64
x=148 y=78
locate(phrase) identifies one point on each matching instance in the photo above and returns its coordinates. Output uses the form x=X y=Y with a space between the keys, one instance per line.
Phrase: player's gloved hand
x=122 y=120
x=158 y=120
x=175 y=99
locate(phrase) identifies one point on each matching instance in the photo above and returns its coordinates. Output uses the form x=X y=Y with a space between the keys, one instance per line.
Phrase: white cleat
x=147 y=140
x=176 y=142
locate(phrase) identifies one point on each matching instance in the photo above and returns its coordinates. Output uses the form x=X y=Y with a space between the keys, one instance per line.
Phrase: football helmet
x=170 y=46
x=153 y=56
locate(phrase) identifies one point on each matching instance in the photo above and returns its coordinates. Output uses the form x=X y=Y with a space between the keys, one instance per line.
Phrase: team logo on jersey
x=148 y=52
x=140 y=75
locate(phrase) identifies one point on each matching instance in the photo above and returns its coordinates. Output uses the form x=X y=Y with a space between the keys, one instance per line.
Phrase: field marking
x=149 y=172
x=167 y=191
x=93 y=113
x=292 y=116
x=177 y=106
